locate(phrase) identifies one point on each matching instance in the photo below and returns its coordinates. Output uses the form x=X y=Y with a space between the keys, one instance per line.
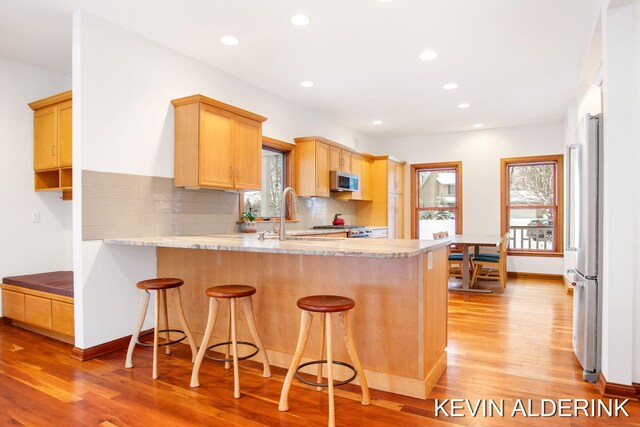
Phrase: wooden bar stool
x=161 y=285
x=231 y=293
x=325 y=304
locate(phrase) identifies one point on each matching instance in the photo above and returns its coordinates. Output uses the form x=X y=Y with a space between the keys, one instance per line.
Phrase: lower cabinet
x=51 y=314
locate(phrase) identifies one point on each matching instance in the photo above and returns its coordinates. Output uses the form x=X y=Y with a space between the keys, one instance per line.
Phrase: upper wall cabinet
x=312 y=168
x=317 y=156
x=52 y=143
x=216 y=145
x=340 y=160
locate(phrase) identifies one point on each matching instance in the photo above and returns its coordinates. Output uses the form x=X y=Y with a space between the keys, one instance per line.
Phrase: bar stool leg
x=247 y=304
x=227 y=352
x=144 y=304
x=322 y=340
x=234 y=346
x=332 y=409
x=167 y=335
x=351 y=349
x=213 y=312
x=305 y=324
x=156 y=327
x=177 y=299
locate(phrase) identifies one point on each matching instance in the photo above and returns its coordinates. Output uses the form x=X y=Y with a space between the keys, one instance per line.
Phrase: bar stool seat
x=325 y=305
x=161 y=285
x=230 y=293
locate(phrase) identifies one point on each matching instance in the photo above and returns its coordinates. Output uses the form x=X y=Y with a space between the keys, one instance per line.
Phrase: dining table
x=466 y=241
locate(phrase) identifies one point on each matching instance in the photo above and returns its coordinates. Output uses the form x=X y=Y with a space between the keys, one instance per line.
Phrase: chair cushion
x=56 y=282
x=487 y=258
x=458 y=257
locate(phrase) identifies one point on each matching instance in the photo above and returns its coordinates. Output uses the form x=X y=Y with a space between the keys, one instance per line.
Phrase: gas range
x=353 y=231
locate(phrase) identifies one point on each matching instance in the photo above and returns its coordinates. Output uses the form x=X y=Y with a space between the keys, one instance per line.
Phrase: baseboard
x=637 y=387
x=84 y=354
x=537 y=276
x=5 y=321
x=608 y=389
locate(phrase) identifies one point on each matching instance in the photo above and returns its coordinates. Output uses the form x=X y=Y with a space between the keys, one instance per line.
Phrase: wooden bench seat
x=41 y=302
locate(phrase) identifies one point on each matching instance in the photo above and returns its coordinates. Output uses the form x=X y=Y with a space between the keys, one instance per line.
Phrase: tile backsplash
x=123 y=205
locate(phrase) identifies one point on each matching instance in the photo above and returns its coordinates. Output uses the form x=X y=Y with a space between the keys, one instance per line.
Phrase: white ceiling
x=516 y=61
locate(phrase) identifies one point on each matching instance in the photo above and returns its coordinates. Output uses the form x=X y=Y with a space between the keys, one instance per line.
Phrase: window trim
x=415 y=168
x=558 y=222
x=289 y=157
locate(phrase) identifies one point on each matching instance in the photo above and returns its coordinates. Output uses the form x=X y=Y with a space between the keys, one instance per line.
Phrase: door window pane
x=266 y=202
x=531 y=229
x=437 y=188
x=434 y=221
x=531 y=185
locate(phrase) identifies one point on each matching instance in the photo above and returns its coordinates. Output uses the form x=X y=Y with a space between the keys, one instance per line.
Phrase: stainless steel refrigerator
x=584 y=239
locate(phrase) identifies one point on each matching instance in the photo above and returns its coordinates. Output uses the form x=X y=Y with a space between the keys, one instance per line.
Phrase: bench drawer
x=13 y=305
x=37 y=311
x=62 y=317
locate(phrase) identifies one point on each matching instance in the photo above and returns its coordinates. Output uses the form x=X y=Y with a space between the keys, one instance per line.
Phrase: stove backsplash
x=317 y=211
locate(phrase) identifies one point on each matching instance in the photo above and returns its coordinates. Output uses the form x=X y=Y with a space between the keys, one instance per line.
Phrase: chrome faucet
x=283 y=209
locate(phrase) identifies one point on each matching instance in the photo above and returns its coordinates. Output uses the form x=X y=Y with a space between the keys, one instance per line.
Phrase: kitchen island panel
x=393 y=321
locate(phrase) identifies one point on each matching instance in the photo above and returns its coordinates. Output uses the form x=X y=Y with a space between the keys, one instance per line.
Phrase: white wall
x=28 y=247
x=123 y=85
x=621 y=281
x=480 y=152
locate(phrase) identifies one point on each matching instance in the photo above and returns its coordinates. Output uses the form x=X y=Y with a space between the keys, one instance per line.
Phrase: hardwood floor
x=514 y=345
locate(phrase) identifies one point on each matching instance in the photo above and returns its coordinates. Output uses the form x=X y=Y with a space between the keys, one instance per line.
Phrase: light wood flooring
x=511 y=345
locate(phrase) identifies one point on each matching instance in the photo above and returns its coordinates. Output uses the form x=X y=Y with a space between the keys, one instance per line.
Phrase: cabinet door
x=322 y=169
x=391 y=215
x=215 y=147
x=247 y=154
x=335 y=160
x=64 y=134
x=367 y=179
x=399 y=219
x=356 y=169
x=391 y=176
x=346 y=161
x=45 y=130
x=399 y=178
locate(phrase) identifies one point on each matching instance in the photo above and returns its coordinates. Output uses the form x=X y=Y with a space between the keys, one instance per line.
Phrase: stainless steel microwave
x=342 y=181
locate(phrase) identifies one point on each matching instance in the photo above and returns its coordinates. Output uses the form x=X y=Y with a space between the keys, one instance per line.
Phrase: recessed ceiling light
x=306 y=83
x=450 y=86
x=384 y=1
x=229 y=40
x=428 y=55
x=478 y=125
x=464 y=105
x=300 y=20
x=377 y=122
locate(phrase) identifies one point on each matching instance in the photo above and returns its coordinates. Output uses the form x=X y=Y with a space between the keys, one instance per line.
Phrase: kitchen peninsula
x=400 y=289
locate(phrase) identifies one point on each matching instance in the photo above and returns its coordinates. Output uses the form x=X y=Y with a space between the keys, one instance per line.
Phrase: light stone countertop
x=248 y=242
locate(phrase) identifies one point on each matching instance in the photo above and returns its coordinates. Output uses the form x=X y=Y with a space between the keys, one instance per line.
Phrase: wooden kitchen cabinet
x=339 y=159
x=217 y=145
x=312 y=168
x=387 y=202
x=395 y=174
x=52 y=143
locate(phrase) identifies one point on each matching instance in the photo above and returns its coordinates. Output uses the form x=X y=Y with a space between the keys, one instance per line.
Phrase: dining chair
x=492 y=266
x=455 y=259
